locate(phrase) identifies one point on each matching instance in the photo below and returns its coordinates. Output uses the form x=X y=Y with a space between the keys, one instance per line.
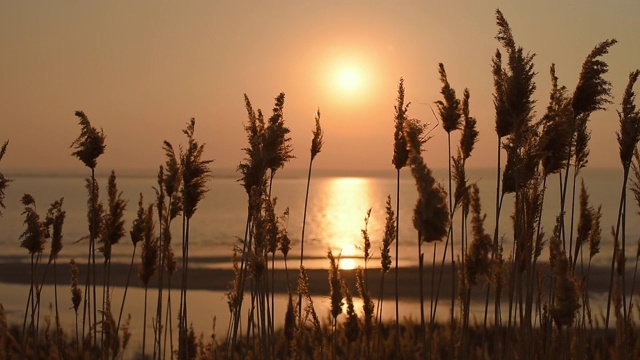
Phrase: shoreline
x=219 y=279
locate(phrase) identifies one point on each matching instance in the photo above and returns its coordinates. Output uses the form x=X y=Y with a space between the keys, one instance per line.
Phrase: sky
x=141 y=69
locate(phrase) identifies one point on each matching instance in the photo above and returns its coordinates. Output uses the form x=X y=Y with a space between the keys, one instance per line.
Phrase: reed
x=137 y=234
x=336 y=296
x=89 y=145
x=195 y=173
x=169 y=206
x=451 y=118
x=4 y=181
x=316 y=146
x=76 y=297
x=399 y=160
x=32 y=239
x=148 y=264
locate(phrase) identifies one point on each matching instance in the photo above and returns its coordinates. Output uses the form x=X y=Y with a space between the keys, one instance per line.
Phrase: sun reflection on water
x=347 y=201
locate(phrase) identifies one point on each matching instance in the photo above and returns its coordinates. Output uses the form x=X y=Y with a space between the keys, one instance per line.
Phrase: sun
x=349 y=79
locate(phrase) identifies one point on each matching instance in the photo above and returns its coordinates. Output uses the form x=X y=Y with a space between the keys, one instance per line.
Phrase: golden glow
x=348 y=200
x=349 y=79
x=347 y=264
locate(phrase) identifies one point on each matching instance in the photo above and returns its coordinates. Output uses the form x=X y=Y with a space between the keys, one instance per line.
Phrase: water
x=336 y=211
x=335 y=216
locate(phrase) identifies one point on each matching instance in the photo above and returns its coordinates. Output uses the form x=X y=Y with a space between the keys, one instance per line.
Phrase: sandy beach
x=202 y=277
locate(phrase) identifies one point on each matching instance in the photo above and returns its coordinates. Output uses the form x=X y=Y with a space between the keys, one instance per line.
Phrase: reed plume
x=4 y=182
x=565 y=291
x=585 y=222
x=478 y=262
x=90 y=143
x=555 y=136
x=367 y=307
x=431 y=216
x=469 y=135
x=76 y=296
x=593 y=91
x=388 y=237
x=276 y=144
x=352 y=324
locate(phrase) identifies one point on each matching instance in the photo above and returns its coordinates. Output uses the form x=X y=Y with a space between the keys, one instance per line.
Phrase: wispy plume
x=431 y=214
x=4 y=182
x=90 y=143
x=555 y=136
x=195 y=171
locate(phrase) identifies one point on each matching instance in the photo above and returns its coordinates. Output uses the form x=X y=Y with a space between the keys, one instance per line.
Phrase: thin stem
x=304 y=223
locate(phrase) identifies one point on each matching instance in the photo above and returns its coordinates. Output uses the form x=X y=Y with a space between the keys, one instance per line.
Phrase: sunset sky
x=142 y=69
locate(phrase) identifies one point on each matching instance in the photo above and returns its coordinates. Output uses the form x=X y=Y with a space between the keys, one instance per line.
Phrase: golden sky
x=141 y=69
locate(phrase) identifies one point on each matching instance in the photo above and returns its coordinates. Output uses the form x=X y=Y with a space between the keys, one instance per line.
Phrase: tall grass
x=549 y=312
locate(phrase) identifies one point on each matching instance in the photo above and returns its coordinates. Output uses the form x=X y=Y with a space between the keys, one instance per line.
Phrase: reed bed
x=535 y=283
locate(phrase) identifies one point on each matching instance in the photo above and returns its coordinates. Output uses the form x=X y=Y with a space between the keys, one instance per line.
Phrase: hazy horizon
x=141 y=70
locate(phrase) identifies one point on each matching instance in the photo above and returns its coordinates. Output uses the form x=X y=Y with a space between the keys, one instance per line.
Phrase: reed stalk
x=88 y=147
x=399 y=160
x=195 y=174
x=316 y=147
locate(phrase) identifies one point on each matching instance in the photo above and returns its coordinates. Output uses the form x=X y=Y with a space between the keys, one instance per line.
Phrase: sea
x=338 y=203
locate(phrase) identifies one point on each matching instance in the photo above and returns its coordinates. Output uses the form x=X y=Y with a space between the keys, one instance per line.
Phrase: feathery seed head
x=277 y=145
x=449 y=109
x=90 y=143
x=629 y=134
x=195 y=172
x=149 y=255
x=593 y=91
x=76 y=293
x=400 y=151
x=55 y=220
x=431 y=214
x=284 y=243
x=335 y=284
x=595 y=235
x=469 y=135
x=318 y=134
x=4 y=182
x=34 y=235
x=352 y=325
x=478 y=262
x=138 y=227
x=514 y=86
x=388 y=237
x=555 y=136
x=113 y=229
x=253 y=167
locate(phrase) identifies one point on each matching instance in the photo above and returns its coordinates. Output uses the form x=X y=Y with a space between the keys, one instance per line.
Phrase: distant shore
x=218 y=279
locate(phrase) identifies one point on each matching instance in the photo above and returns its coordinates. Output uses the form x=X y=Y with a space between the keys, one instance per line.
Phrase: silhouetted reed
x=316 y=147
x=628 y=138
x=4 y=182
x=33 y=239
x=89 y=145
x=148 y=263
x=399 y=160
x=195 y=174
